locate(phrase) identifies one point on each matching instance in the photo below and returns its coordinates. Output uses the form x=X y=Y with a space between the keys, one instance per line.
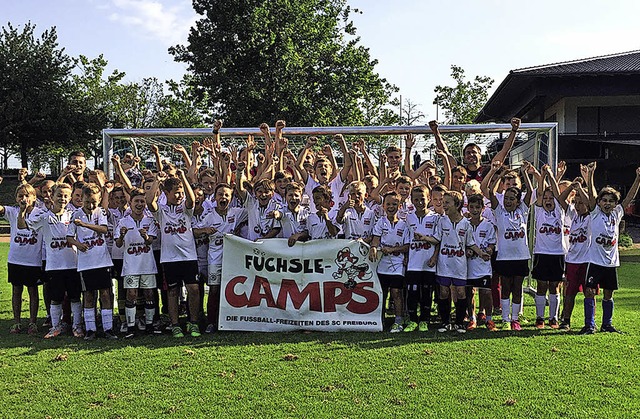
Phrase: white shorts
x=215 y=275
x=140 y=281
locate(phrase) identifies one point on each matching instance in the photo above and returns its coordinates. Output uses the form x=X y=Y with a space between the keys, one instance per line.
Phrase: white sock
x=515 y=311
x=107 y=318
x=90 y=319
x=148 y=315
x=553 y=306
x=130 y=313
x=76 y=310
x=56 y=313
x=504 y=303
x=541 y=302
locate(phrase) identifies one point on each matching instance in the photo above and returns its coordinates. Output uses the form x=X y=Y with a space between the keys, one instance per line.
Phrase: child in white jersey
x=356 y=219
x=391 y=236
x=215 y=224
x=87 y=233
x=322 y=223
x=293 y=217
x=258 y=205
x=512 y=261
x=61 y=265
x=24 y=267
x=178 y=248
x=421 y=266
x=604 y=259
x=134 y=234
x=548 y=249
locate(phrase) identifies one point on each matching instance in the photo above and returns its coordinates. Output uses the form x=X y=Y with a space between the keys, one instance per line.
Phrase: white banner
x=322 y=285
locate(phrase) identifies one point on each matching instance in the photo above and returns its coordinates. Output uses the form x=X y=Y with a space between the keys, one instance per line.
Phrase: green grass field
x=533 y=374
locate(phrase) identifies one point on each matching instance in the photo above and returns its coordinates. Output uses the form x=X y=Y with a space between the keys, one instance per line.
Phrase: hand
x=546 y=169
x=154 y=149
x=360 y=142
x=280 y=125
x=350 y=203
x=323 y=213
x=275 y=214
x=123 y=231
x=584 y=171
x=485 y=256
x=409 y=140
x=592 y=166
x=109 y=187
x=83 y=247
x=217 y=124
x=78 y=222
x=386 y=250
x=638 y=172
x=179 y=148
x=179 y=173
x=311 y=142
x=161 y=176
x=251 y=143
x=373 y=254
x=432 y=261
x=326 y=150
x=260 y=158
x=136 y=160
x=143 y=233
x=293 y=239
x=69 y=169
x=470 y=253
x=115 y=159
x=515 y=124
x=419 y=237
x=22 y=174
x=264 y=129
x=562 y=166
x=1 y=179
x=433 y=125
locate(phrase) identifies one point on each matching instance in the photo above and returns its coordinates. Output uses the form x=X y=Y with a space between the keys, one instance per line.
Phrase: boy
x=61 y=258
x=391 y=236
x=134 y=234
x=24 y=266
x=357 y=220
x=258 y=206
x=87 y=233
x=321 y=223
x=178 y=248
x=293 y=217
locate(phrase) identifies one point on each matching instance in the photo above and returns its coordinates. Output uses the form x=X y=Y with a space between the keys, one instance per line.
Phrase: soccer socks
x=515 y=311
x=461 y=310
x=607 y=312
x=504 y=304
x=413 y=296
x=130 y=313
x=76 y=310
x=56 y=314
x=90 y=319
x=590 y=312
x=444 y=307
x=554 y=304
x=541 y=302
x=107 y=318
x=149 y=312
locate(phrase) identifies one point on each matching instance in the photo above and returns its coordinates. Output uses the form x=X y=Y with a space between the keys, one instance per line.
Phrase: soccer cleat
x=506 y=325
x=53 y=332
x=90 y=335
x=177 y=332
x=131 y=333
x=396 y=328
x=78 y=332
x=472 y=325
x=522 y=319
x=587 y=330
x=210 y=328
x=539 y=323
x=460 y=328
x=108 y=334
x=194 y=330
x=515 y=325
x=65 y=327
x=491 y=326
x=124 y=327
x=445 y=328
x=608 y=328
x=47 y=322
x=553 y=323
x=565 y=325
x=482 y=319
x=423 y=326
x=142 y=326
x=15 y=328
x=410 y=326
x=32 y=329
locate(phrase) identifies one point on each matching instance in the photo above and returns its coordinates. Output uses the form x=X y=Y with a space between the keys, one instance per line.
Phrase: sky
x=414 y=41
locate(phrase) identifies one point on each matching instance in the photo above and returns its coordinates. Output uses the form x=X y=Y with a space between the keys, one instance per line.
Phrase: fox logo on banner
x=324 y=285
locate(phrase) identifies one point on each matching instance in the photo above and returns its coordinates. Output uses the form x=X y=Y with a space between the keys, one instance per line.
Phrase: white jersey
x=421 y=251
x=137 y=256
x=97 y=255
x=317 y=227
x=605 y=232
x=484 y=235
x=358 y=226
x=178 y=244
x=336 y=185
x=114 y=215
x=405 y=209
x=60 y=254
x=293 y=222
x=579 y=238
x=224 y=224
x=454 y=240
x=202 y=242
x=549 y=238
x=259 y=224
x=392 y=235
x=25 y=247
x=512 y=233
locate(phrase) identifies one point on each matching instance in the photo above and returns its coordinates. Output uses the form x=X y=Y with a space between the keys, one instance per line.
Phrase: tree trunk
x=23 y=154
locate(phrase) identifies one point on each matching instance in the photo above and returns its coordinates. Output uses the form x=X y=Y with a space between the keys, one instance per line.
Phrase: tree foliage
x=262 y=60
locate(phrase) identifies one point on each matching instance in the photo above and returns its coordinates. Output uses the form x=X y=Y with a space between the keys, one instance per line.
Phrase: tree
x=181 y=108
x=461 y=103
x=37 y=107
x=264 y=60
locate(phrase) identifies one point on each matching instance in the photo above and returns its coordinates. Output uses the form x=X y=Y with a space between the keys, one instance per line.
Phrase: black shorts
x=604 y=276
x=116 y=271
x=96 y=279
x=484 y=282
x=391 y=281
x=26 y=276
x=161 y=284
x=548 y=267
x=509 y=268
x=178 y=273
x=64 y=281
x=424 y=278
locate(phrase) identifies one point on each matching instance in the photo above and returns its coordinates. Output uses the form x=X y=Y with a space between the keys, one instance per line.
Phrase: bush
x=625 y=240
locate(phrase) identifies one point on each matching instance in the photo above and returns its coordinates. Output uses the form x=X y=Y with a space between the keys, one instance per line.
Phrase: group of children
x=434 y=238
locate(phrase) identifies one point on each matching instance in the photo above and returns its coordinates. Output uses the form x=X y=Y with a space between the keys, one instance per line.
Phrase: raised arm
x=346 y=156
x=151 y=196
x=493 y=183
x=409 y=142
x=441 y=145
x=527 y=169
x=633 y=191
x=445 y=167
x=506 y=147
x=242 y=192
x=124 y=179
x=367 y=158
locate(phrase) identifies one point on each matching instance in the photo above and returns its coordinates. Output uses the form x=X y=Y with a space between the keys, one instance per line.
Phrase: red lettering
x=290 y=289
x=331 y=298
x=236 y=300
x=257 y=296
x=371 y=299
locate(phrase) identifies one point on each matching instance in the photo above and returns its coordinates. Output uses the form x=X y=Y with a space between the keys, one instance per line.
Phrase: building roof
x=525 y=88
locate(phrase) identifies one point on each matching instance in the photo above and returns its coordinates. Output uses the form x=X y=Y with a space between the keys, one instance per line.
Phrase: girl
x=512 y=261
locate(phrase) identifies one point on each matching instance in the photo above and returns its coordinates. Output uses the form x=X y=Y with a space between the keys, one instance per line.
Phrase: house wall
x=568 y=107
